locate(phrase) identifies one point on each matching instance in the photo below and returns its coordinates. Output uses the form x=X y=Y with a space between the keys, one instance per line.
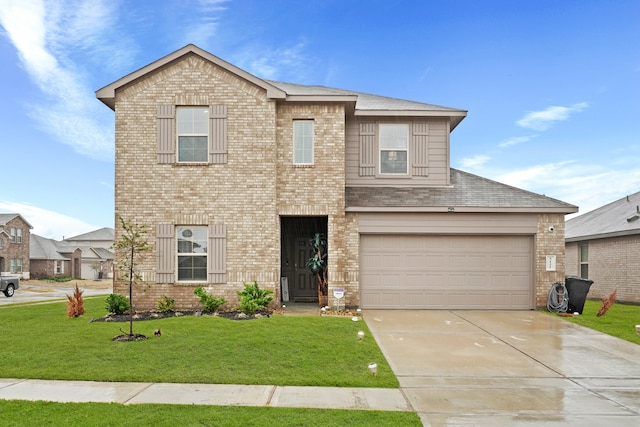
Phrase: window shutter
x=218 y=134
x=165 y=248
x=368 y=149
x=420 y=149
x=217 y=258
x=166 y=117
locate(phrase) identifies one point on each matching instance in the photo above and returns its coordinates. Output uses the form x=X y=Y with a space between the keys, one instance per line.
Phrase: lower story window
x=15 y=265
x=192 y=253
x=584 y=261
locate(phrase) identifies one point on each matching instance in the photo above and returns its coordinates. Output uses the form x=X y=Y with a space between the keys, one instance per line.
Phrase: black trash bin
x=577 y=288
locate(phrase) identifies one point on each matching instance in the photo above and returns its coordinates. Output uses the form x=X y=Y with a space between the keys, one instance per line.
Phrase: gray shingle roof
x=43 y=248
x=105 y=233
x=104 y=253
x=365 y=101
x=467 y=192
x=618 y=218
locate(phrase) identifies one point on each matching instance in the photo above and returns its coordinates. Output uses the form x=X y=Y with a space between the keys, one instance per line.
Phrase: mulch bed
x=154 y=315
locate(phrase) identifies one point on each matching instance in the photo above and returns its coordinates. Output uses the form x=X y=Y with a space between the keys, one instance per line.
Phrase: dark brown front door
x=304 y=282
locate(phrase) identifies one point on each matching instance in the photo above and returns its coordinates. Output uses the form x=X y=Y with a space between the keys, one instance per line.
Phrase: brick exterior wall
x=318 y=190
x=614 y=263
x=548 y=243
x=14 y=250
x=240 y=194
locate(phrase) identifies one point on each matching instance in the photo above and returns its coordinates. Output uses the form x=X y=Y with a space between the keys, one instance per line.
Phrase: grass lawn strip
x=43 y=343
x=619 y=321
x=19 y=413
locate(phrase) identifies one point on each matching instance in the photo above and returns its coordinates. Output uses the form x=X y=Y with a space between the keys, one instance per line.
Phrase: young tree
x=132 y=247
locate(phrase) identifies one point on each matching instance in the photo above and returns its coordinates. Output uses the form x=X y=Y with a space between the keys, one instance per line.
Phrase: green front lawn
x=20 y=413
x=619 y=321
x=39 y=341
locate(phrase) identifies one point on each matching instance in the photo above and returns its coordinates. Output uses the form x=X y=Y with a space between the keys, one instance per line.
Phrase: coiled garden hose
x=558 y=301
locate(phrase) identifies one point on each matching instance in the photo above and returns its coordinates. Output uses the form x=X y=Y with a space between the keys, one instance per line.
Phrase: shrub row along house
x=234 y=175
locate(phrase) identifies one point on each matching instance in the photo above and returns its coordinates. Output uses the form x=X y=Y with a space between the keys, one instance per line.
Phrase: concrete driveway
x=509 y=368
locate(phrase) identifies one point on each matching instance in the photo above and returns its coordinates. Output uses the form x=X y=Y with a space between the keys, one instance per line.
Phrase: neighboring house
x=604 y=245
x=234 y=174
x=87 y=256
x=15 y=233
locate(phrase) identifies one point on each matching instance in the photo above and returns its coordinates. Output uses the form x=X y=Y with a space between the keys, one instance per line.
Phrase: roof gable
x=108 y=93
x=619 y=218
x=6 y=217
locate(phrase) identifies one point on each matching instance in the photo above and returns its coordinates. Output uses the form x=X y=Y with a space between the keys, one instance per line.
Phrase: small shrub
x=75 y=303
x=117 y=304
x=60 y=278
x=252 y=298
x=210 y=303
x=166 y=304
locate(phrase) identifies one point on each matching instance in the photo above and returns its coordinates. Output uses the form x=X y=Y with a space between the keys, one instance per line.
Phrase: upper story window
x=19 y=235
x=394 y=148
x=303 y=142
x=193 y=134
x=584 y=261
x=192 y=253
x=13 y=235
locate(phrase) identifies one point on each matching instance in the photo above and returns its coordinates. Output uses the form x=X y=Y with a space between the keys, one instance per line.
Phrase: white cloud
x=475 y=161
x=45 y=36
x=46 y=223
x=289 y=63
x=204 y=23
x=543 y=120
x=516 y=140
x=584 y=185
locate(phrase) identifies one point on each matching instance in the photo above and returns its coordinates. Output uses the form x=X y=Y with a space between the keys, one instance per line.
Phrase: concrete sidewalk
x=205 y=394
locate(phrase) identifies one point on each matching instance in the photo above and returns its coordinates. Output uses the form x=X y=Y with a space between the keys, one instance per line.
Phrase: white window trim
x=380 y=150
x=312 y=122
x=178 y=134
x=179 y=254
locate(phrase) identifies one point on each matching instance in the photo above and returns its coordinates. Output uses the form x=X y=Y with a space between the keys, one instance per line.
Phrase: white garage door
x=446 y=272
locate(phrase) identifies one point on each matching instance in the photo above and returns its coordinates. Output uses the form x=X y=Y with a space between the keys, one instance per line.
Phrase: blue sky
x=552 y=87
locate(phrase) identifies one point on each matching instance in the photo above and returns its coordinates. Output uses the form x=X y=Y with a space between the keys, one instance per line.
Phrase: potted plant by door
x=317 y=264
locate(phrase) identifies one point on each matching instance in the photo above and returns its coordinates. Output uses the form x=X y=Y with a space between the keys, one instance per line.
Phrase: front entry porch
x=296 y=232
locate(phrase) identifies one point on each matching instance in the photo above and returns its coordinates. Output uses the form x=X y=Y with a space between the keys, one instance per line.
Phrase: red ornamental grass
x=607 y=303
x=75 y=303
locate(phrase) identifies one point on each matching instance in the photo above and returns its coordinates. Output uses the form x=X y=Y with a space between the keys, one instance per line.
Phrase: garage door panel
x=421 y=271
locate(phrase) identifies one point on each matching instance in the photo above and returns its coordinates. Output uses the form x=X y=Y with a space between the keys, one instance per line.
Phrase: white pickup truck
x=9 y=284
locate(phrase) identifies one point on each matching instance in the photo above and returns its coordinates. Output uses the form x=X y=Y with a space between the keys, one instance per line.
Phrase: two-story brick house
x=14 y=244
x=234 y=174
